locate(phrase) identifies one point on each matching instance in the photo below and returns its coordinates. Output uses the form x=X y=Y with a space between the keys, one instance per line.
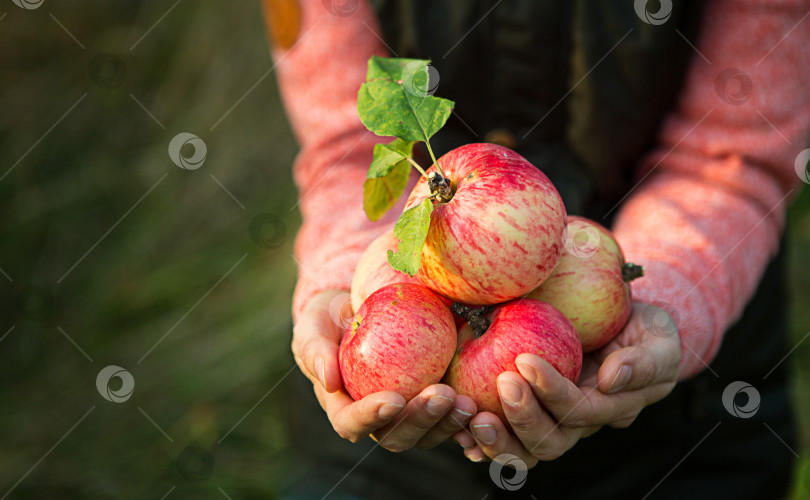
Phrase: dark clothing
x=523 y=69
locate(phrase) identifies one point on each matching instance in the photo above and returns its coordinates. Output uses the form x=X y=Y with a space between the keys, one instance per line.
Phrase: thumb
x=316 y=338
x=648 y=357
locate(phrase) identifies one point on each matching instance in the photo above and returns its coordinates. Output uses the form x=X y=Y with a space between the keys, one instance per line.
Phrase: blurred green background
x=112 y=255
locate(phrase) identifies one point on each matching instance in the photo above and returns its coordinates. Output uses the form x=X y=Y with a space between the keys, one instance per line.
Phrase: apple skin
x=520 y=326
x=588 y=288
x=500 y=235
x=374 y=272
x=402 y=339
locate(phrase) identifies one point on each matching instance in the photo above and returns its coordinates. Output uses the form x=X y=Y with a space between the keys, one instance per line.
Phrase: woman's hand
x=425 y=421
x=549 y=414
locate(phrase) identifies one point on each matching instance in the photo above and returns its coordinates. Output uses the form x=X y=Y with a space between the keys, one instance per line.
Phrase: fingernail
x=511 y=393
x=438 y=405
x=388 y=410
x=485 y=433
x=621 y=379
x=321 y=371
x=463 y=414
x=528 y=372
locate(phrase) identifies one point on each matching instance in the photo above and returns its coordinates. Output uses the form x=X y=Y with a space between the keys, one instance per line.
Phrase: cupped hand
x=549 y=414
x=425 y=421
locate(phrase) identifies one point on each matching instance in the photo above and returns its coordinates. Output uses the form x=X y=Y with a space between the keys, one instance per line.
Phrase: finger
x=568 y=403
x=533 y=426
x=653 y=359
x=590 y=371
x=471 y=449
x=475 y=454
x=450 y=424
x=464 y=439
x=318 y=360
x=420 y=415
x=316 y=339
x=494 y=439
x=584 y=408
x=354 y=420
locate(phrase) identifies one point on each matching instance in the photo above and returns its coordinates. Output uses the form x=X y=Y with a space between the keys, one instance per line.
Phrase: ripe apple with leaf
x=590 y=284
x=498 y=222
x=499 y=236
x=401 y=339
x=517 y=327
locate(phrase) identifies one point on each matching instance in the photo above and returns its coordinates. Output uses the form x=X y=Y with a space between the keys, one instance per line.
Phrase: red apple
x=500 y=234
x=517 y=327
x=402 y=339
x=374 y=272
x=587 y=285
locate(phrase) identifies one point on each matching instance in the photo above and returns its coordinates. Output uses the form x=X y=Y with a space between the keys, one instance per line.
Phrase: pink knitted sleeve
x=707 y=215
x=319 y=78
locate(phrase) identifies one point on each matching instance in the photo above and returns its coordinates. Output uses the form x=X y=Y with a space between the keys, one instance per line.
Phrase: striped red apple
x=590 y=284
x=517 y=327
x=401 y=339
x=499 y=236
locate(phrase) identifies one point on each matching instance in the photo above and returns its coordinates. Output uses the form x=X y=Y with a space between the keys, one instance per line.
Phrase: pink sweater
x=704 y=219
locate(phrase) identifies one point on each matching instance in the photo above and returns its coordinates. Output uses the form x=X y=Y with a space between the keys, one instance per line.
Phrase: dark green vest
x=580 y=88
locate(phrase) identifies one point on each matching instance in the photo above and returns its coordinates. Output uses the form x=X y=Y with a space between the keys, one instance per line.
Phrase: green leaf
x=395 y=100
x=380 y=193
x=388 y=155
x=387 y=177
x=411 y=230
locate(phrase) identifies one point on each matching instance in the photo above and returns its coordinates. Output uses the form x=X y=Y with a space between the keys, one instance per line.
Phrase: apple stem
x=416 y=166
x=433 y=157
x=631 y=271
x=440 y=187
x=476 y=317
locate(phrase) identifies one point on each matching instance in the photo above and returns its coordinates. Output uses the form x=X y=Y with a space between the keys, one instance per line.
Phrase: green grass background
x=159 y=272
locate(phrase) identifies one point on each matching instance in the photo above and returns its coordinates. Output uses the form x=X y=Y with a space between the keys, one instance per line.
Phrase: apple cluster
x=503 y=271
